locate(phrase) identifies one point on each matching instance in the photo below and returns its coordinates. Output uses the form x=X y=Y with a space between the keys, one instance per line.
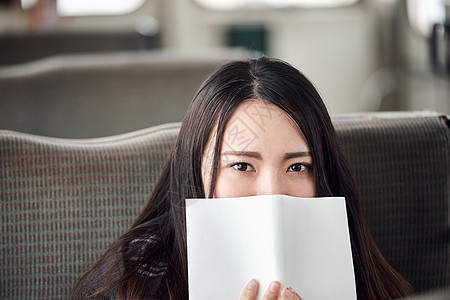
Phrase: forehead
x=256 y=123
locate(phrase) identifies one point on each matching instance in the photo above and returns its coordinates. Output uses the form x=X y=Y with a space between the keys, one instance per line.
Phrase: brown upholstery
x=62 y=202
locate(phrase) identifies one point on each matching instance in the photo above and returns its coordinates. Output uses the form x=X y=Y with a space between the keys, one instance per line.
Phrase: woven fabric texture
x=402 y=171
x=63 y=202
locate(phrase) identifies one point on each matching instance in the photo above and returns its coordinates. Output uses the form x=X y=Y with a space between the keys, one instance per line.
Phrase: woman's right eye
x=243 y=167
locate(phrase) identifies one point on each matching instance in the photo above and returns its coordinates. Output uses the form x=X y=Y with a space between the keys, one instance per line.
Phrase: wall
x=336 y=48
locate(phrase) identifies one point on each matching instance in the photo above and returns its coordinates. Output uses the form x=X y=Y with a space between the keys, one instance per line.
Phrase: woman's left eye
x=299 y=168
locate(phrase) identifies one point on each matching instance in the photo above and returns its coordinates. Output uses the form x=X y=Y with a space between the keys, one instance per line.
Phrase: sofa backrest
x=20 y=47
x=401 y=165
x=63 y=202
x=103 y=94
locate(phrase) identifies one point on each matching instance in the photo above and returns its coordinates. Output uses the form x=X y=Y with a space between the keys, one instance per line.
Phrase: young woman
x=254 y=127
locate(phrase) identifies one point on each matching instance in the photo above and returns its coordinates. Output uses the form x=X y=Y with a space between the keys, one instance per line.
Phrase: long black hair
x=163 y=217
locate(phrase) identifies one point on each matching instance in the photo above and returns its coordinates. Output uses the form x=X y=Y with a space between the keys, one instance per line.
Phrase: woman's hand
x=272 y=292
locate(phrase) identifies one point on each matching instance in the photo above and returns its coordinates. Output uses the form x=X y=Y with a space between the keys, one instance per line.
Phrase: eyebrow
x=257 y=155
x=297 y=154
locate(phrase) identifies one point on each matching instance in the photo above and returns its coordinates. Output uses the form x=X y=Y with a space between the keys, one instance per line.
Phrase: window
x=239 y=4
x=97 y=7
x=91 y=7
x=424 y=14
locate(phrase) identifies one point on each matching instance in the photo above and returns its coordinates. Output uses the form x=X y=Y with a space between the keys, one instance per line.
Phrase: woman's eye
x=300 y=168
x=243 y=167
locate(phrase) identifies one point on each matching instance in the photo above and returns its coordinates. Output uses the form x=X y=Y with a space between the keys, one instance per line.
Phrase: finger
x=272 y=291
x=250 y=291
x=290 y=294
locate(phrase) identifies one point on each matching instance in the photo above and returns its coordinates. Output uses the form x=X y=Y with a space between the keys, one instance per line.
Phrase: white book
x=301 y=242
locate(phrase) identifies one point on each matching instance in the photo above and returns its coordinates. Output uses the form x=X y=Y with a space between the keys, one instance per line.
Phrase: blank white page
x=301 y=242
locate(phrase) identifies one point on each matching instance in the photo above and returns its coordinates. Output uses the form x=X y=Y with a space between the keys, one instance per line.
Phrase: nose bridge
x=270 y=183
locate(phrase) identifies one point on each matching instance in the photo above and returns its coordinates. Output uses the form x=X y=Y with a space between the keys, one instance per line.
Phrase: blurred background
x=90 y=68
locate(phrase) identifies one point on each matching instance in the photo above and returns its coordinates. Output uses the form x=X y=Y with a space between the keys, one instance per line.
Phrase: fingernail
x=289 y=292
x=274 y=286
x=252 y=284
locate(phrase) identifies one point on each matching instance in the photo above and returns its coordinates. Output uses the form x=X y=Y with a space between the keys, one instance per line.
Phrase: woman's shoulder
x=89 y=287
x=94 y=284
x=104 y=278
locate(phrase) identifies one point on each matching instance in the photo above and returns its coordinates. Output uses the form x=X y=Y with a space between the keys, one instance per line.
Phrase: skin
x=273 y=291
x=263 y=152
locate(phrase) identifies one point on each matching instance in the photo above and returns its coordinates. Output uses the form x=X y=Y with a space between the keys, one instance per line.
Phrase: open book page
x=229 y=242
x=318 y=258
x=301 y=242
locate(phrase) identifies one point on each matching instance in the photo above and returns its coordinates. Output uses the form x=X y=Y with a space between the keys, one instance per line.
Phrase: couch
x=20 y=47
x=64 y=201
x=89 y=95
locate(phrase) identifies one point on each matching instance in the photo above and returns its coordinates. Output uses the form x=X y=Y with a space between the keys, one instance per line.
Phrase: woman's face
x=263 y=152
